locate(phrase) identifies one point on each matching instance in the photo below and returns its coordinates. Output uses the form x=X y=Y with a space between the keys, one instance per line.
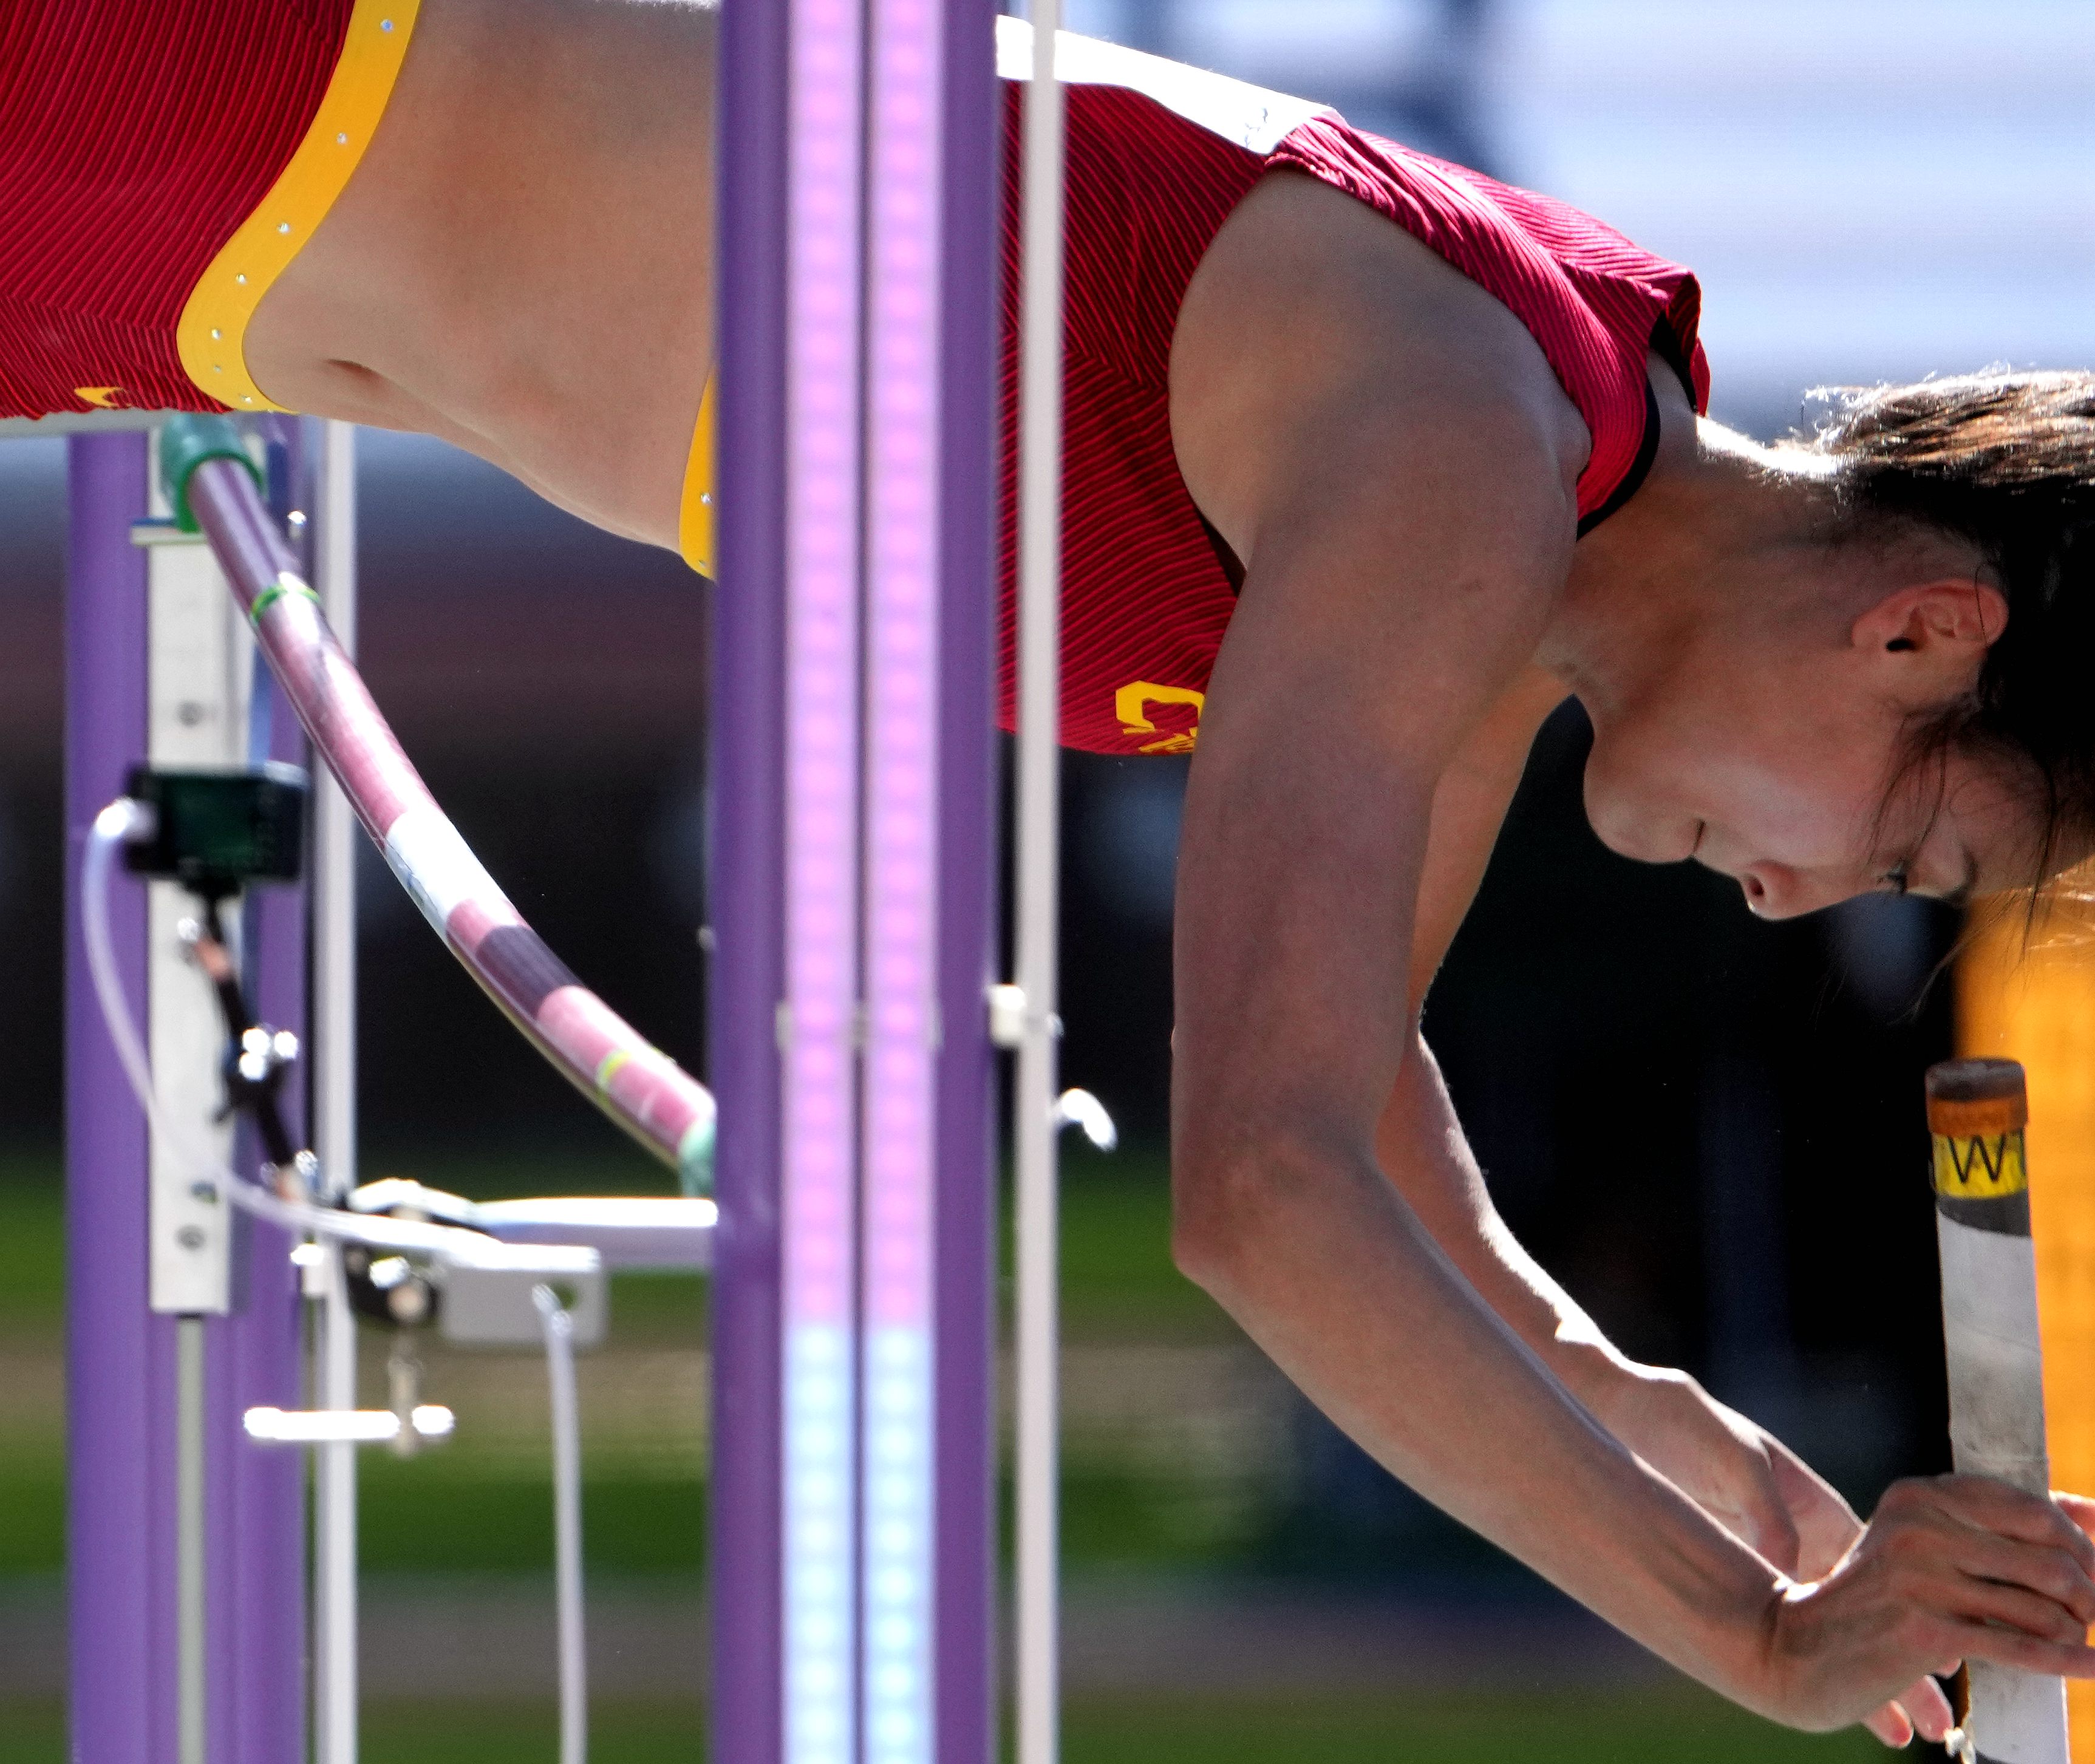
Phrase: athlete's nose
x=1776 y=891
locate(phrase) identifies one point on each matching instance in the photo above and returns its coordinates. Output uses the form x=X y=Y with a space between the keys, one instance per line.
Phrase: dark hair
x=2006 y=463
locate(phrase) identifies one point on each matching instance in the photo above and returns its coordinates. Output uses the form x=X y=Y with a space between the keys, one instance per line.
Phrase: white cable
x=567 y=1523
x=115 y=826
x=120 y=822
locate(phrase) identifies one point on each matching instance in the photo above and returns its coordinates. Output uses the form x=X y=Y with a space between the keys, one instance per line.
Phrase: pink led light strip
x=902 y=851
x=824 y=375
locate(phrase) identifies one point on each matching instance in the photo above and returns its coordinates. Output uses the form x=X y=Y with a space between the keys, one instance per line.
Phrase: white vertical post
x=192 y=1610
x=334 y=1132
x=1038 y=847
x=198 y=665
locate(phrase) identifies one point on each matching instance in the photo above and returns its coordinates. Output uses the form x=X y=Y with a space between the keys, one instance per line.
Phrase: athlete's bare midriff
x=522 y=262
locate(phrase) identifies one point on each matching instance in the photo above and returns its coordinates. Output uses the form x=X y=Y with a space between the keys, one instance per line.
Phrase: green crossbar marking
x=286 y=586
x=610 y=1066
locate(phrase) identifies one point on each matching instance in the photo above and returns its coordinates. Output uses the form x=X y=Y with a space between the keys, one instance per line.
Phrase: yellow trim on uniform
x=212 y=330
x=695 y=519
x=1131 y=705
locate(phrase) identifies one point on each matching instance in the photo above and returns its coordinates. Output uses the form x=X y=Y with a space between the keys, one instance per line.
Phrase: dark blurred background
x=1707 y=1127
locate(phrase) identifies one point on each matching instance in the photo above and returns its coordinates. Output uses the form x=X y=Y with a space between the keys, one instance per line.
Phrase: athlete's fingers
x=1991 y=1531
x=1889 y=1724
x=2077 y=1507
x=2029 y=1612
x=2026 y=1654
x=1928 y=1709
x=1997 y=1506
x=2037 y=1568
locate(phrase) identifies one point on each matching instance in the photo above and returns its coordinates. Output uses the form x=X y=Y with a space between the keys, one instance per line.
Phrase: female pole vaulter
x=1372 y=461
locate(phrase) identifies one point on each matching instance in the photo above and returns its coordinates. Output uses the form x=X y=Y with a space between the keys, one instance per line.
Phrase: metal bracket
x=1012 y=1019
x=345 y=1427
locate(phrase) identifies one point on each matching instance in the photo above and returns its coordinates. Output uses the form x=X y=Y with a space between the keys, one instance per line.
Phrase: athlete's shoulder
x=1317 y=339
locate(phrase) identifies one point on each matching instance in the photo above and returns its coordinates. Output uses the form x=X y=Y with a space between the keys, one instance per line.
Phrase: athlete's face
x=1775 y=753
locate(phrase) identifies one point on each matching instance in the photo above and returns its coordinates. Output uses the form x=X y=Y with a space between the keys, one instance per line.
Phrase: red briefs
x=1158 y=156
x=161 y=162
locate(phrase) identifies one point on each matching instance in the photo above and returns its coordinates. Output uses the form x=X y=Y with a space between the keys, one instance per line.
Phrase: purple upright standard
x=120 y=1356
x=853 y=845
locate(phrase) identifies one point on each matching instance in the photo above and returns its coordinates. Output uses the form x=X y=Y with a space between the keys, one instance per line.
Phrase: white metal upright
x=1038 y=892
x=335 y=1131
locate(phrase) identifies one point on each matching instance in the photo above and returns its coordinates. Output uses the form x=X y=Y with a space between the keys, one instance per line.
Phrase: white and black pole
x=1977 y=1110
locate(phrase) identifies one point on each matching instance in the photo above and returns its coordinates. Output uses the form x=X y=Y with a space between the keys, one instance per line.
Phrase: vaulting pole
x=1977 y=1112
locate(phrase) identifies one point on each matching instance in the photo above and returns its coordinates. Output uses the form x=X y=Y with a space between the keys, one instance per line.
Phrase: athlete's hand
x=1732 y=1468
x=1763 y=1494
x=1949 y=1568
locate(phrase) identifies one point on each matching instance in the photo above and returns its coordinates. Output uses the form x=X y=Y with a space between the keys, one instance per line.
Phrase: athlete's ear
x=1957 y=618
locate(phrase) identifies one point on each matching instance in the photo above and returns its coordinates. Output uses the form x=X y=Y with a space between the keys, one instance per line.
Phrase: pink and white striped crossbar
x=639 y=1087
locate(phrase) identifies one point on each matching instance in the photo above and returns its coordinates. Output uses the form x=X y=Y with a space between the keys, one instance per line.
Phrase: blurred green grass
x=1118 y=1281
x=32 y=1248
x=1660 y=1726
x=426 y=1516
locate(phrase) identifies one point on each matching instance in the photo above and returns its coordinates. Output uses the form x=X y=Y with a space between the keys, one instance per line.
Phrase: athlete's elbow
x=1228 y=1203
x=1203 y=1240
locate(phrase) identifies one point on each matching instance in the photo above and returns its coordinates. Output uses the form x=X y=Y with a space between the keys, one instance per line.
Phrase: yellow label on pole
x=1988 y=1168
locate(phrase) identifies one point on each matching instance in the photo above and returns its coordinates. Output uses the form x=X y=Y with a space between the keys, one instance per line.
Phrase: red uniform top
x=1158 y=156
x=161 y=162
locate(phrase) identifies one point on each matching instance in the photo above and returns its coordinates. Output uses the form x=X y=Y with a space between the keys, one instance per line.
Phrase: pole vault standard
x=186 y=1544
x=1976 y=1111
x=146 y=1293
x=853 y=857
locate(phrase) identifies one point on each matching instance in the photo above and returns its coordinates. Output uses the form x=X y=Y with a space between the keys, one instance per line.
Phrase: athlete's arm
x=1731 y=1466
x=1384 y=447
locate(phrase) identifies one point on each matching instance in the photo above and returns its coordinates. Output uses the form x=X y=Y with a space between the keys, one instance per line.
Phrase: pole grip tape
x=1977 y=1110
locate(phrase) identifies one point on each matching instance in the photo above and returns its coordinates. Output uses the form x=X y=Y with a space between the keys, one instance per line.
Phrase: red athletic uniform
x=161 y=162
x=1159 y=154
